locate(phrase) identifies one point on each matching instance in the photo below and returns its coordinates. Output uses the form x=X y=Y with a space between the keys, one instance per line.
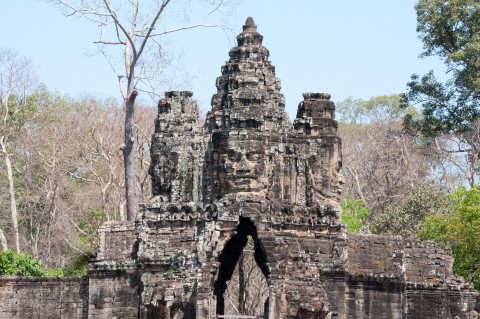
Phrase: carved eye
x=253 y=156
x=231 y=156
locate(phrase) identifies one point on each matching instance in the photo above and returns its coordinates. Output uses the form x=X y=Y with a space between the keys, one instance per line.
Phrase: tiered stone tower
x=247 y=173
x=247 y=177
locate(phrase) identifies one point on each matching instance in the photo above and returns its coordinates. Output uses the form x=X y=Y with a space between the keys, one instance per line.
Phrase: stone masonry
x=247 y=175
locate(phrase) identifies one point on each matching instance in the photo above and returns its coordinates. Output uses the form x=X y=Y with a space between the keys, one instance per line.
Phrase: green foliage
x=76 y=267
x=19 y=112
x=459 y=230
x=54 y=272
x=12 y=264
x=404 y=218
x=169 y=273
x=378 y=108
x=449 y=29
x=446 y=108
x=89 y=223
x=354 y=215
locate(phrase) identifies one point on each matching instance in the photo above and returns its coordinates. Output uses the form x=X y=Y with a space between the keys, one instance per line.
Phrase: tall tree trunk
x=3 y=242
x=11 y=189
x=129 y=157
x=241 y=285
x=121 y=210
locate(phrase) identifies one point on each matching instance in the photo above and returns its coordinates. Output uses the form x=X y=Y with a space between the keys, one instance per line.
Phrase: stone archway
x=244 y=271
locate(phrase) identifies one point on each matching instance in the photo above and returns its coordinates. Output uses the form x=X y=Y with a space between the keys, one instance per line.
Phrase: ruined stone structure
x=248 y=175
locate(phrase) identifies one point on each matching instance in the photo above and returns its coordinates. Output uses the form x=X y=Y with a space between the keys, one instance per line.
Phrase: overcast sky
x=342 y=47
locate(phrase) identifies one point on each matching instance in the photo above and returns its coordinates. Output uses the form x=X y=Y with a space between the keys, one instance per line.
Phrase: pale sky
x=342 y=47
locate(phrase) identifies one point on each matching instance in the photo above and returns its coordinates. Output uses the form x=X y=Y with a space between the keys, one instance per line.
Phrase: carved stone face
x=163 y=170
x=239 y=166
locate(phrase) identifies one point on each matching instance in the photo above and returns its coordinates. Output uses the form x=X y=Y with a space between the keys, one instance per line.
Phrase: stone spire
x=248 y=92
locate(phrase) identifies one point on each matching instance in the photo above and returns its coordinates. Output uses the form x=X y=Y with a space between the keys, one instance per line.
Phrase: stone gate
x=248 y=176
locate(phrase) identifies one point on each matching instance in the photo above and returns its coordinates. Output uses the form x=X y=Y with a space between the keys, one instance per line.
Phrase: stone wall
x=376 y=256
x=417 y=272
x=354 y=276
x=117 y=247
x=111 y=290
x=43 y=298
x=114 y=294
x=427 y=301
x=114 y=285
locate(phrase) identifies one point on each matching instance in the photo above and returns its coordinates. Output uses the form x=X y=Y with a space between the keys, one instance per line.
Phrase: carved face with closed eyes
x=238 y=166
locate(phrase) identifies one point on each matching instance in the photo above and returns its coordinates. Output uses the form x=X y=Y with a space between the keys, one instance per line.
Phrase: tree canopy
x=378 y=108
x=404 y=217
x=460 y=231
x=450 y=30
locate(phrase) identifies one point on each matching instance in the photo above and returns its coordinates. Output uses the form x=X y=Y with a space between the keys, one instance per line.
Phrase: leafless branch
x=109 y=43
x=195 y=26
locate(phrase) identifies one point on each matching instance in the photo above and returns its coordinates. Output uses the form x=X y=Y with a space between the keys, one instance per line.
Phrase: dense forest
x=411 y=161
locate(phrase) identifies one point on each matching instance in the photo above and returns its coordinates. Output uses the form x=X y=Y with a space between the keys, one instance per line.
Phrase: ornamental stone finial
x=250 y=25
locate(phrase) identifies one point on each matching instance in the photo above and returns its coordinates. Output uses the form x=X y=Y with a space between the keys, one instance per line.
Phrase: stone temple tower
x=248 y=180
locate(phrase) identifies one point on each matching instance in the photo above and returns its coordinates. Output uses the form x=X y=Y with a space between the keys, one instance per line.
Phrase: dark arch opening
x=230 y=256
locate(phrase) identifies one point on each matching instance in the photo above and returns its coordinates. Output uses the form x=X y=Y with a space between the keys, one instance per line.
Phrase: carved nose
x=243 y=165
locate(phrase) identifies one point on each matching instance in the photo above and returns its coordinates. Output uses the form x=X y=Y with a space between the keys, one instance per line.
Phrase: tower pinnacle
x=250 y=25
x=248 y=92
x=249 y=36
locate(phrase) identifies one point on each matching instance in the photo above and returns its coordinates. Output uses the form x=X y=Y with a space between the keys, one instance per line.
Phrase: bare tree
x=136 y=30
x=247 y=290
x=458 y=155
x=3 y=241
x=381 y=163
x=101 y=158
x=71 y=173
x=68 y=174
x=17 y=81
x=43 y=154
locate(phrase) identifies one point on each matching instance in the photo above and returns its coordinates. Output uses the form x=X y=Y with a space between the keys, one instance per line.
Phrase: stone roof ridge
x=315 y=95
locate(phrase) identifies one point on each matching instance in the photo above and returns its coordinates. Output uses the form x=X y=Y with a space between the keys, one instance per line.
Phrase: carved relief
x=239 y=163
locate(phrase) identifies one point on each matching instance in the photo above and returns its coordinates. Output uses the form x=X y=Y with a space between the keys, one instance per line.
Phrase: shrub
x=354 y=215
x=12 y=264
